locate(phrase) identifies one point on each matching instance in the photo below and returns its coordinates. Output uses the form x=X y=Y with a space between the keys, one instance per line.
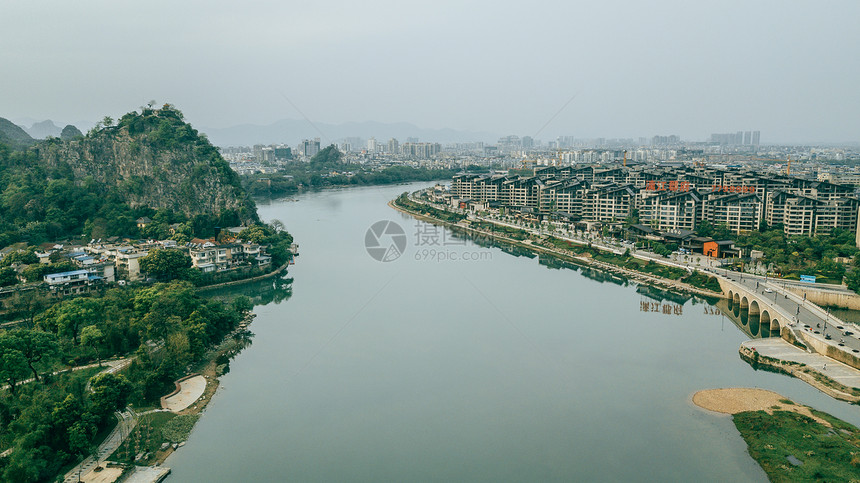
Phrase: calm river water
x=467 y=363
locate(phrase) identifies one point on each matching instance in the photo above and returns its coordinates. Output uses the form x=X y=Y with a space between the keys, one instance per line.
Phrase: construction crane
x=625 y=158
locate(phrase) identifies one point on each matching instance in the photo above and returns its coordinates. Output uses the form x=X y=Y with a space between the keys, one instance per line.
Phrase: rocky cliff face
x=154 y=159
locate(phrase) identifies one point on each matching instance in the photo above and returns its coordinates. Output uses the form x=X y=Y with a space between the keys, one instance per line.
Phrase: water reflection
x=749 y=325
x=262 y=292
x=660 y=295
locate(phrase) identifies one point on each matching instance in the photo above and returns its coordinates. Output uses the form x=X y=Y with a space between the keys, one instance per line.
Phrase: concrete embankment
x=838 y=380
x=245 y=280
x=567 y=255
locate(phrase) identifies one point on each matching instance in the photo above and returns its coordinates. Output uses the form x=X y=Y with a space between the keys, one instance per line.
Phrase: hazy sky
x=788 y=68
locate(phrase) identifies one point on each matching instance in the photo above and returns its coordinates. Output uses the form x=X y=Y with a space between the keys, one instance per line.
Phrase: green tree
x=8 y=277
x=13 y=365
x=165 y=264
x=242 y=304
x=705 y=228
x=36 y=346
x=852 y=280
x=110 y=392
x=256 y=234
x=66 y=413
x=68 y=317
x=24 y=257
x=93 y=337
x=81 y=434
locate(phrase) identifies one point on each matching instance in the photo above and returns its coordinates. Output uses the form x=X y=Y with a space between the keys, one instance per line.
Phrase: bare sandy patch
x=739 y=399
x=189 y=391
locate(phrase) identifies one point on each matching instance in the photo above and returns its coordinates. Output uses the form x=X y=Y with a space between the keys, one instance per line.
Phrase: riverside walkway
x=127 y=420
x=771 y=300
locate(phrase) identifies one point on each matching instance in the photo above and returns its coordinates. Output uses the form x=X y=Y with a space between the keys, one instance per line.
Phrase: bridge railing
x=823 y=314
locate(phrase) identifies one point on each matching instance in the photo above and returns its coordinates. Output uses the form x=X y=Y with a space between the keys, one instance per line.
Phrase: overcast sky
x=790 y=69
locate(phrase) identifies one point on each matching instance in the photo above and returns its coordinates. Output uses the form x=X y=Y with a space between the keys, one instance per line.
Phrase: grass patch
x=827 y=454
x=177 y=429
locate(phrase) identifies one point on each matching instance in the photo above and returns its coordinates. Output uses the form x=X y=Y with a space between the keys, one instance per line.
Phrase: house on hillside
x=143 y=221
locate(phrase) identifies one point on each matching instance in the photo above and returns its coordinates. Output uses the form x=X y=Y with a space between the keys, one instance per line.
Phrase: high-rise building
x=393 y=146
x=756 y=137
x=309 y=148
x=371 y=145
x=283 y=152
x=737 y=138
x=664 y=140
x=528 y=142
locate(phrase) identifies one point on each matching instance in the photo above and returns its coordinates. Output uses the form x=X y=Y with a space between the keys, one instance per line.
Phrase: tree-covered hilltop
x=13 y=135
x=151 y=163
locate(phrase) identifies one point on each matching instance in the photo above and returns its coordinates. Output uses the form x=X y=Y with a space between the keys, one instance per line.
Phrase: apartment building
x=608 y=203
x=672 y=210
x=739 y=212
x=672 y=197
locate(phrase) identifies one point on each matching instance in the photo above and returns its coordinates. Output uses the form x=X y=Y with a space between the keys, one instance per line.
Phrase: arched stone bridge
x=791 y=316
x=759 y=304
x=768 y=316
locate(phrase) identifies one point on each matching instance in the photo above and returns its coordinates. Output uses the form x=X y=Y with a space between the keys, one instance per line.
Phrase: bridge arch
x=745 y=304
x=767 y=321
x=737 y=299
x=754 y=308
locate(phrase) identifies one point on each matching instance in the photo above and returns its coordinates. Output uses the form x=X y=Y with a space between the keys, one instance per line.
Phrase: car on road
x=767 y=290
x=848 y=332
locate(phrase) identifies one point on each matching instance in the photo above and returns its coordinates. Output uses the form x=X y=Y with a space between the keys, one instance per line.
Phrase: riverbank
x=156 y=447
x=565 y=254
x=245 y=280
x=790 y=441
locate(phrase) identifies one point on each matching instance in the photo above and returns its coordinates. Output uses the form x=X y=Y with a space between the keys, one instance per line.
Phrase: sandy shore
x=738 y=399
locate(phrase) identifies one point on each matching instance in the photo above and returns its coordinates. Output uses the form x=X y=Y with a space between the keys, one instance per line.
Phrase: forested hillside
x=150 y=163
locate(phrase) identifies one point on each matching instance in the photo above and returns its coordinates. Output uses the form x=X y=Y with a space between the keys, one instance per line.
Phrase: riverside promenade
x=775 y=302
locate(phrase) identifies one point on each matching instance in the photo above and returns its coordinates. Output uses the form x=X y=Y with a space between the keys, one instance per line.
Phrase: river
x=462 y=362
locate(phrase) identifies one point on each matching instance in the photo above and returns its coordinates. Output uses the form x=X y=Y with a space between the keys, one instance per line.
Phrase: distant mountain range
x=46 y=128
x=293 y=131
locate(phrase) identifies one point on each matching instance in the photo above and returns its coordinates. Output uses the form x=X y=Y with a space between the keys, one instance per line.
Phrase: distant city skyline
x=589 y=69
